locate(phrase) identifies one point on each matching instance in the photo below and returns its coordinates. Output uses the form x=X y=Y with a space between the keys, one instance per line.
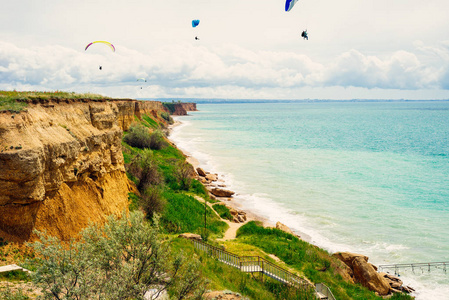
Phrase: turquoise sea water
x=366 y=177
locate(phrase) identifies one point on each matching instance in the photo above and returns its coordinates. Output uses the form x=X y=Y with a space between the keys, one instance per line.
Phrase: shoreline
x=232 y=202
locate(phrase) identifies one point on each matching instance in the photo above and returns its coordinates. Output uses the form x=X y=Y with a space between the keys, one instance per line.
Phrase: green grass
x=13 y=100
x=133 y=201
x=15 y=276
x=186 y=214
x=223 y=211
x=149 y=122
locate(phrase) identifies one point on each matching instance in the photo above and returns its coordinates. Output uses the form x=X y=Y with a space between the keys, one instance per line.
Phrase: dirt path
x=231 y=233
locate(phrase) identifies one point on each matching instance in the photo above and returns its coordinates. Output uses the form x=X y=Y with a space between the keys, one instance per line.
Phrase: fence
x=252 y=264
x=416 y=266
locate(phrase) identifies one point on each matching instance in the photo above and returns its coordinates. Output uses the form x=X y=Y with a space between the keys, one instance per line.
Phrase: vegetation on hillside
x=15 y=101
x=121 y=260
x=165 y=184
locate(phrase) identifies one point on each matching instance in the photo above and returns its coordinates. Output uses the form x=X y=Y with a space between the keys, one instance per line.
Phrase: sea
x=370 y=177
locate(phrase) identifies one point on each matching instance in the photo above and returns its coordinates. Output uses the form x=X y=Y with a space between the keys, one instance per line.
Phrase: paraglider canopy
x=289 y=4
x=142 y=79
x=103 y=42
x=195 y=23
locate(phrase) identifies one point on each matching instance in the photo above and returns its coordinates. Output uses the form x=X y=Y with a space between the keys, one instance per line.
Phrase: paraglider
x=305 y=35
x=289 y=4
x=141 y=79
x=103 y=42
x=195 y=23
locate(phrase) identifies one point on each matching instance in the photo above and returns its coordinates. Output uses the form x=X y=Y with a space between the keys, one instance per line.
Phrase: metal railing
x=252 y=264
x=415 y=267
x=323 y=291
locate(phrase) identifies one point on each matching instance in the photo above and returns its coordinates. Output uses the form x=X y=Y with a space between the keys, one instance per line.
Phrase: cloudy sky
x=252 y=49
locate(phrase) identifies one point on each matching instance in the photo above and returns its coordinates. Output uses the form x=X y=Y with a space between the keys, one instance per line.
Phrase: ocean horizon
x=368 y=177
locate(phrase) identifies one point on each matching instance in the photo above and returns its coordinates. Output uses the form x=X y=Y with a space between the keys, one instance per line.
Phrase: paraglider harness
x=304 y=34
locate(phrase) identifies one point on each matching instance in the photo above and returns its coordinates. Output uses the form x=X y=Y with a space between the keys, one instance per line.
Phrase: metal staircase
x=253 y=264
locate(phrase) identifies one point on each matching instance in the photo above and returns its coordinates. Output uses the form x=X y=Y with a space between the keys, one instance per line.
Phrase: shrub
x=183 y=173
x=152 y=201
x=138 y=136
x=166 y=116
x=9 y=294
x=121 y=260
x=157 y=141
x=144 y=167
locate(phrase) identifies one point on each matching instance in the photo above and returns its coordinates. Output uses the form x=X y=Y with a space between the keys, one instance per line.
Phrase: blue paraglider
x=195 y=23
x=289 y=4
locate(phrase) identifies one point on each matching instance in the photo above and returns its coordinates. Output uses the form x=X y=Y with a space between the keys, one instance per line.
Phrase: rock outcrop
x=221 y=192
x=61 y=164
x=284 y=228
x=191 y=236
x=364 y=272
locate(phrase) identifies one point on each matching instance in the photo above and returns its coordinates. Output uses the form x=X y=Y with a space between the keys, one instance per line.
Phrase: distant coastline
x=233 y=101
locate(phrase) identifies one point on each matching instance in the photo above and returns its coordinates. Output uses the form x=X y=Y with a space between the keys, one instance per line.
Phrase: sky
x=251 y=49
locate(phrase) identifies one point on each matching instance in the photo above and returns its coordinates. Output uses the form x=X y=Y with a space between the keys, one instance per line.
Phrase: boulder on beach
x=238 y=216
x=221 y=192
x=201 y=172
x=284 y=228
x=212 y=177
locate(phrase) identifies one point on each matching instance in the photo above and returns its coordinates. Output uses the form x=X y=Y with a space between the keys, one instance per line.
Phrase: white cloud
x=225 y=72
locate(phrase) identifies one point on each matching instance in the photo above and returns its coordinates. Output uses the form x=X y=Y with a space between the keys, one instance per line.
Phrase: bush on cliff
x=138 y=136
x=144 y=168
x=166 y=116
x=121 y=260
x=152 y=201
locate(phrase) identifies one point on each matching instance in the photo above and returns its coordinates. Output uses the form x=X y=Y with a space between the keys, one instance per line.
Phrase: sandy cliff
x=61 y=164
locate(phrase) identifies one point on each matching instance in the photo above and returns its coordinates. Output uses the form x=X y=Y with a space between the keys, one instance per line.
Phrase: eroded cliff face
x=61 y=165
x=181 y=109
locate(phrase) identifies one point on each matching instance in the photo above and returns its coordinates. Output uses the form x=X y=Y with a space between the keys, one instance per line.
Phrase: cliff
x=180 y=109
x=61 y=164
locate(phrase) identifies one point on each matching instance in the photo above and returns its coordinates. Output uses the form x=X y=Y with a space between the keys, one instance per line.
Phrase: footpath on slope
x=231 y=232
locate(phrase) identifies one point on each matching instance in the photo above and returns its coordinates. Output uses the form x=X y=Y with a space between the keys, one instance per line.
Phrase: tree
x=120 y=260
